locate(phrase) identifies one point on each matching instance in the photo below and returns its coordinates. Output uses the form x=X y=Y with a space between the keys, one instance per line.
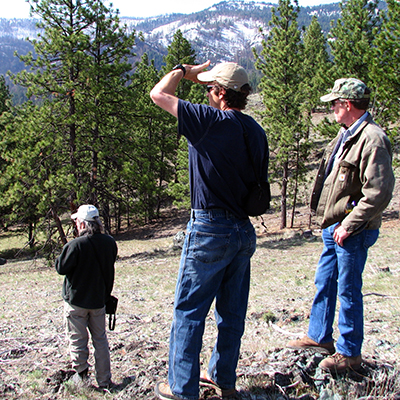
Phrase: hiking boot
x=206 y=381
x=339 y=363
x=163 y=392
x=81 y=378
x=111 y=387
x=307 y=343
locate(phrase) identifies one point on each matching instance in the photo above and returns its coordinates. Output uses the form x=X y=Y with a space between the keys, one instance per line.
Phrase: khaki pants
x=78 y=322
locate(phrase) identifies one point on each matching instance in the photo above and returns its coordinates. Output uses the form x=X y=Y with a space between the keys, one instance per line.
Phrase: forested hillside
x=209 y=27
x=90 y=133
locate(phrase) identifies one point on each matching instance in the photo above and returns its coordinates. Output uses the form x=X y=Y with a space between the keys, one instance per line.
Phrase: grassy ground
x=34 y=350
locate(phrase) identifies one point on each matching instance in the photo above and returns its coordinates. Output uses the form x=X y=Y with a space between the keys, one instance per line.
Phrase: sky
x=140 y=8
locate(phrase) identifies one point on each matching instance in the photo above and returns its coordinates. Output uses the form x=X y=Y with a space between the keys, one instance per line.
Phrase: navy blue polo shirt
x=219 y=167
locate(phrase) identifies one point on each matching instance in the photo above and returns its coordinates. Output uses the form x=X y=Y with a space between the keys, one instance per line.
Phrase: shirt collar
x=352 y=129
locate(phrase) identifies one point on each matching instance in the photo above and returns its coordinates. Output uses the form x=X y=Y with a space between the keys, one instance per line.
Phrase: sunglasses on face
x=334 y=102
x=209 y=88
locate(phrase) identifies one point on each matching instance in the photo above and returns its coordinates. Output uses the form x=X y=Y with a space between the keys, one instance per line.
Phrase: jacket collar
x=359 y=125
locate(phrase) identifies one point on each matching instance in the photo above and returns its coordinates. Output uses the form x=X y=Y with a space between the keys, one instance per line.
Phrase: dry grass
x=33 y=346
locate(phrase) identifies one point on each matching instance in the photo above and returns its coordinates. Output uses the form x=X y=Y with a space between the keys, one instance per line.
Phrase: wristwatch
x=181 y=67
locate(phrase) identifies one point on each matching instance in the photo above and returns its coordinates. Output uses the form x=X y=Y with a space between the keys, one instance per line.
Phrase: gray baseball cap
x=347 y=88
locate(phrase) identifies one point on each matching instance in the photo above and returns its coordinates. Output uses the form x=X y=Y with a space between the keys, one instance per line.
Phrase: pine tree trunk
x=59 y=226
x=284 y=195
x=106 y=216
x=31 y=238
x=296 y=188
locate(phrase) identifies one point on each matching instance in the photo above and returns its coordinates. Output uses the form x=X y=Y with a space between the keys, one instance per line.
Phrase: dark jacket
x=363 y=175
x=88 y=265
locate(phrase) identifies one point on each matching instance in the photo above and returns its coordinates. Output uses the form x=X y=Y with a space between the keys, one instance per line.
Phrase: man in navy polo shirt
x=220 y=238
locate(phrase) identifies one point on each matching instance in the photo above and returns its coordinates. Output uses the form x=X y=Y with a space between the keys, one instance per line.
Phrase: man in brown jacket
x=354 y=185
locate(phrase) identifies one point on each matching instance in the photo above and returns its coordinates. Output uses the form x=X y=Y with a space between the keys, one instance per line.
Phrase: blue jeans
x=215 y=264
x=339 y=273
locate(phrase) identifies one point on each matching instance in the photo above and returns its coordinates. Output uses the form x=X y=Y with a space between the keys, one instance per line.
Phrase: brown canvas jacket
x=363 y=174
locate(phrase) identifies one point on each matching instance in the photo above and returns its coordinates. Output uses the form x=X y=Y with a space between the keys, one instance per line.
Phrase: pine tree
x=280 y=61
x=352 y=37
x=351 y=41
x=153 y=145
x=30 y=183
x=316 y=66
x=78 y=82
x=5 y=98
x=180 y=51
x=106 y=105
x=385 y=72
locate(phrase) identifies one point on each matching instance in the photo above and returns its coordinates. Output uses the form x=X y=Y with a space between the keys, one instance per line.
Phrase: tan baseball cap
x=228 y=74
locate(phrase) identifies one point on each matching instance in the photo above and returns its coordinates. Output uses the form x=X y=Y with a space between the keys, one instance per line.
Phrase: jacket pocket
x=346 y=176
x=343 y=187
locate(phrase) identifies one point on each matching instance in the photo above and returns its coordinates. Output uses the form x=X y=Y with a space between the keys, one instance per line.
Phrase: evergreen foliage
x=90 y=133
x=317 y=76
x=5 y=104
x=352 y=37
x=280 y=61
x=181 y=52
x=5 y=96
x=316 y=66
x=36 y=176
x=80 y=109
x=153 y=146
x=385 y=71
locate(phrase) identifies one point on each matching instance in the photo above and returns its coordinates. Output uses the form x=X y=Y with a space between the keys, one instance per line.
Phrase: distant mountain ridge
x=226 y=31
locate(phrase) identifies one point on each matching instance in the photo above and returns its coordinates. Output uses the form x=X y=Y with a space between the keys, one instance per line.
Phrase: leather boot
x=340 y=363
x=307 y=343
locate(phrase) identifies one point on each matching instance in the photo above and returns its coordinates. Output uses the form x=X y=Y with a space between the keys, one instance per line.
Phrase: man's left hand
x=193 y=70
x=340 y=234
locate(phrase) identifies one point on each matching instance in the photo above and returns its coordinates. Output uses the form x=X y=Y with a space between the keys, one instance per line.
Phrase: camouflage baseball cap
x=347 y=88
